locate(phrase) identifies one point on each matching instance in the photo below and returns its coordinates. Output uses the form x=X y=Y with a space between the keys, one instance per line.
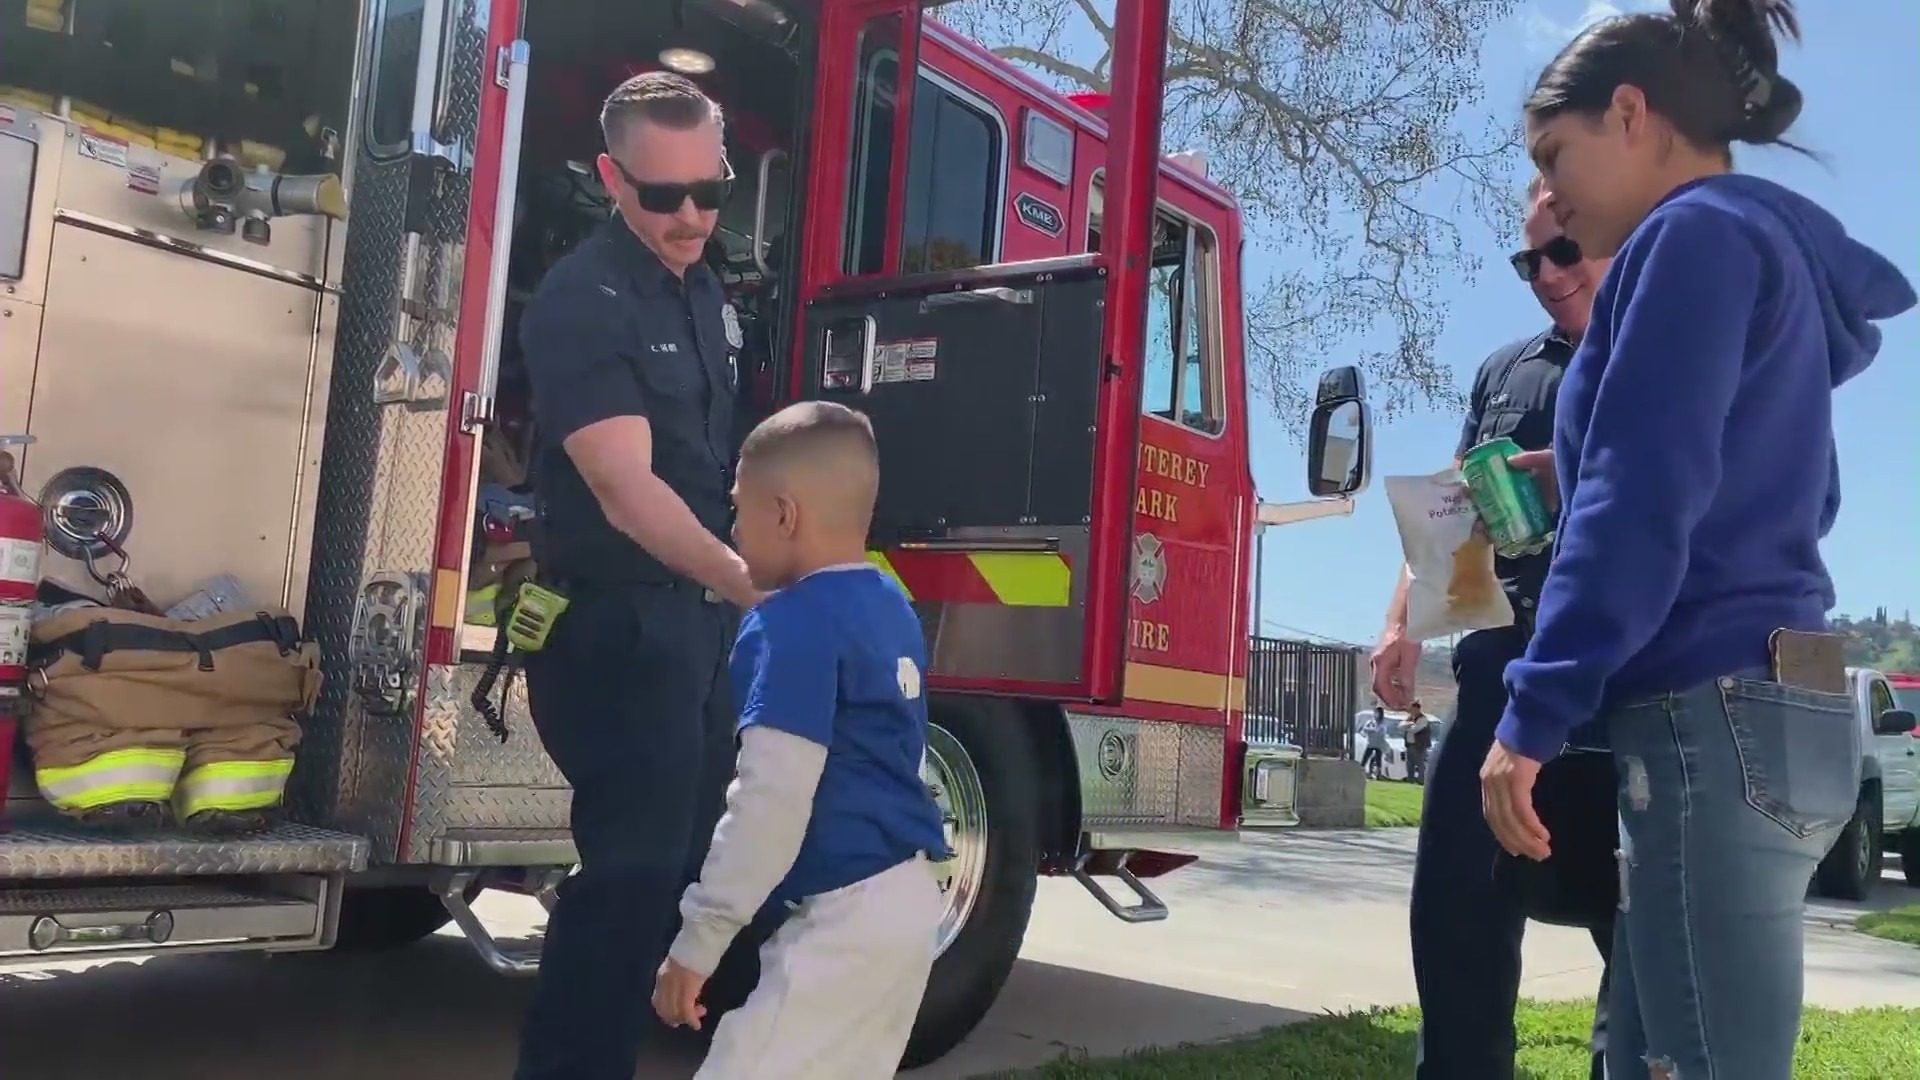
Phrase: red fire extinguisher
x=21 y=537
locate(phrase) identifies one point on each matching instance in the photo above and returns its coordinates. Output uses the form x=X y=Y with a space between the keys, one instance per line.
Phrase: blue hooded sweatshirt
x=1694 y=448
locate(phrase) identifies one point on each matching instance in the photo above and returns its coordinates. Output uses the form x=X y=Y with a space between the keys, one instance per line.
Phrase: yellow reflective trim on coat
x=233 y=785
x=136 y=774
x=1025 y=578
x=879 y=561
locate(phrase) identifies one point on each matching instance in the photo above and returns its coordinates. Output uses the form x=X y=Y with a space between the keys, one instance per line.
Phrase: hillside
x=1881 y=642
x=1876 y=641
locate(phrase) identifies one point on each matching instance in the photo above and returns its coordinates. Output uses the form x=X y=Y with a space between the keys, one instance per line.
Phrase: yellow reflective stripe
x=880 y=563
x=233 y=785
x=137 y=774
x=1025 y=578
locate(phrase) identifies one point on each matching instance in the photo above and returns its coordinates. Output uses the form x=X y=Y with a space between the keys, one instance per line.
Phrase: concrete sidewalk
x=1286 y=925
x=1265 y=931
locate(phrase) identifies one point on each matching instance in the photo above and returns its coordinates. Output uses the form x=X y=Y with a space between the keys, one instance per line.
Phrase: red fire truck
x=262 y=266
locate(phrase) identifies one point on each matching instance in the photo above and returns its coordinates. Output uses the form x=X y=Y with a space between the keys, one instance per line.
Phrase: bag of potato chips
x=1453 y=588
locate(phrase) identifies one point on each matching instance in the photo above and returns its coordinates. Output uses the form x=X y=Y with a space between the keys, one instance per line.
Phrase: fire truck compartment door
x=982 y=387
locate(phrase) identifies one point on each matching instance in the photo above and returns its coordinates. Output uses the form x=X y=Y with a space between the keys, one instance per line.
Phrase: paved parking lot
x=1263 y=931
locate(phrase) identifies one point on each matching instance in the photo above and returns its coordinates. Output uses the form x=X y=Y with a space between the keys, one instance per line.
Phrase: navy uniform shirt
x=1513 y=398
x=612 y=332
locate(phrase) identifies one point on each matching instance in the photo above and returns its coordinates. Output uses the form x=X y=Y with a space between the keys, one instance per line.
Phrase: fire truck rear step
x=214 y=916
x=53 y=849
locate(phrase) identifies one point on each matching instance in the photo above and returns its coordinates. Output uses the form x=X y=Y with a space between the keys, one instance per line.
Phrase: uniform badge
x=731 y=319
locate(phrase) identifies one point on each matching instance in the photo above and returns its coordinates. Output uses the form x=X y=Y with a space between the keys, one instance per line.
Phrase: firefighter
x=627 y=348
x=1466 y=931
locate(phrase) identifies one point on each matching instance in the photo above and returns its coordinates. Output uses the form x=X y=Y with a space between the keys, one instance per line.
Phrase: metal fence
x=1303 y=693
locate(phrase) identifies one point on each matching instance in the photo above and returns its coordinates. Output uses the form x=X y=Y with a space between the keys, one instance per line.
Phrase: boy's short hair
x=822 y=435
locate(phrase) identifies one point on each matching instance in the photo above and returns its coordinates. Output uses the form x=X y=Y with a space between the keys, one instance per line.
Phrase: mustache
x=689 y=234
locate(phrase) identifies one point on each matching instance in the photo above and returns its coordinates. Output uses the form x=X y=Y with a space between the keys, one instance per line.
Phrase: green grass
x=1392 y=804
x=1379 y=1045
x=1900 y=924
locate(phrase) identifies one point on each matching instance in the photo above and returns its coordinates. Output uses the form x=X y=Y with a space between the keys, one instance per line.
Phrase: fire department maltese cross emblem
x=1149 y=568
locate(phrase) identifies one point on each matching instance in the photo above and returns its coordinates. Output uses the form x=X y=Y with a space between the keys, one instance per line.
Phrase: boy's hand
x=676 y=996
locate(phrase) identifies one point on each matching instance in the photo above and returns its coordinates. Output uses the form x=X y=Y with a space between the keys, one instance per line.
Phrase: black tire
x=1910 y=855
x=393 y=917
x=970 y=973
x=1850 y=869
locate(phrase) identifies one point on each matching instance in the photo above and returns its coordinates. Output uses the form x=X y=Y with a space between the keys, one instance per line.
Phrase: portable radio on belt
x=525 y=614
x=535 y=610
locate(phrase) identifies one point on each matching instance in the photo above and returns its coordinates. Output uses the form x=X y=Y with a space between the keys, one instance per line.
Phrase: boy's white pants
x=840 y=985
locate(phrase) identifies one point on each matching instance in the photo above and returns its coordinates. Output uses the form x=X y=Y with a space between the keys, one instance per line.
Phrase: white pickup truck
x=1888 y=815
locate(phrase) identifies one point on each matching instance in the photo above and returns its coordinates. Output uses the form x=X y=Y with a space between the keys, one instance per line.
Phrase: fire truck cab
x=262 y=267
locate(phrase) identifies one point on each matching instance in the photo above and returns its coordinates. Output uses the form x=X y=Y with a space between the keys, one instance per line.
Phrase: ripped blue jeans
x=1730 y=795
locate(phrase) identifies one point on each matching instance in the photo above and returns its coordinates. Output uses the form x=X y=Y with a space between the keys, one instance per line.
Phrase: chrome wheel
x=954 y=782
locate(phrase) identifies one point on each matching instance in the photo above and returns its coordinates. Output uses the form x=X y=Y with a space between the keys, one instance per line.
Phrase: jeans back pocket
x=1799 y=752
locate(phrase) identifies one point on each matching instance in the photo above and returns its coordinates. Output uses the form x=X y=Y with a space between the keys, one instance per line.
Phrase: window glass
x=17 y=157
x=267 y=82
x=1202 y=406
x=951 y=193
x=1157 y=391
x=396 y=60
x=953 y=170
x=871 y=182
x=1880 y=698
x=1183 y=364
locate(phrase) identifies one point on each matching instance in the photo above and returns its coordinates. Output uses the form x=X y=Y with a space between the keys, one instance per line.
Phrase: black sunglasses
x=666 y=198
x=1559 y=251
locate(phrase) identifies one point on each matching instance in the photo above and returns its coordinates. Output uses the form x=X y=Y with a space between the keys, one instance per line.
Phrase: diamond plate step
x=188 y=917
x=56 y=850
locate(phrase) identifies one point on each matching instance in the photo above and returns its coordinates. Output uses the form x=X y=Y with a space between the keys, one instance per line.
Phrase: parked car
x=1887 y=817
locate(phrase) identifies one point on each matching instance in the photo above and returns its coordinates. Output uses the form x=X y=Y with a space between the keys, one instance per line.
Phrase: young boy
x=828 y=814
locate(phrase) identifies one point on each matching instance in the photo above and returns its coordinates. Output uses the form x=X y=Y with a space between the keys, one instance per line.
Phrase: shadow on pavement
x=1048 y=1012
x=432 y=1012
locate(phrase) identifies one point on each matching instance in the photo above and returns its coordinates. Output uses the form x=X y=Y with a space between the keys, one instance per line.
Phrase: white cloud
x=1546 y=33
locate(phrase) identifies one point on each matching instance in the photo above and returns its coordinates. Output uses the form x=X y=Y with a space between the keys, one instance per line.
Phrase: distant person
x=828 y=816
x=1419 y=743
x=1467 y=931
x=1696 y=461
x=1373 y=761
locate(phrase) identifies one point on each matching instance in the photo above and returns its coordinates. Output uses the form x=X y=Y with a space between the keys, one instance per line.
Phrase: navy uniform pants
x=1466 y=933
x=630 y=697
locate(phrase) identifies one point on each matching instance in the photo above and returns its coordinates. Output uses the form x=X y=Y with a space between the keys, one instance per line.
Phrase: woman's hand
x=1539 y=465
x=1506 y=798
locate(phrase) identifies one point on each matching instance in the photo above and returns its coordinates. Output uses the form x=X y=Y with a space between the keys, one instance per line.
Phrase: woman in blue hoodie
x=1694 y=454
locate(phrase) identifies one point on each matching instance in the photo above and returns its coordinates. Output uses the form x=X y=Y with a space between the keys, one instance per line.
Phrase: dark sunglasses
x=1559 y=251
x=667 y=198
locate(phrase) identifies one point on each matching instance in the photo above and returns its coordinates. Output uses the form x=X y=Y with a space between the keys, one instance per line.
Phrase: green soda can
x=1507 y=498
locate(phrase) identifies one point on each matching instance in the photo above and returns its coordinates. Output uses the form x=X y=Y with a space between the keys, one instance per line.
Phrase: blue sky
x=1859 y=67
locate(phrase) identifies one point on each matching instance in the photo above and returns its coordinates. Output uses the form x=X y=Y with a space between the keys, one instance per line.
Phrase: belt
x=575 y=586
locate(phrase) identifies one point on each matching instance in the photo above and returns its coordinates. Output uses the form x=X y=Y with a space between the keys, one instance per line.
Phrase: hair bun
x=1768 y=123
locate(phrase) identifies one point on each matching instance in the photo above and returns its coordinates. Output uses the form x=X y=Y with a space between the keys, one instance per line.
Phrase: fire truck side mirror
x=1340 y=435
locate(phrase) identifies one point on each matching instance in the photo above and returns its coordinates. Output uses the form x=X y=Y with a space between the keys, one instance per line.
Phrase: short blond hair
x=659 y=97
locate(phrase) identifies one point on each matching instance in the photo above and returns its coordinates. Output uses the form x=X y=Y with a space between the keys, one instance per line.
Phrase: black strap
x=102 y=636
x=1531 y=348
